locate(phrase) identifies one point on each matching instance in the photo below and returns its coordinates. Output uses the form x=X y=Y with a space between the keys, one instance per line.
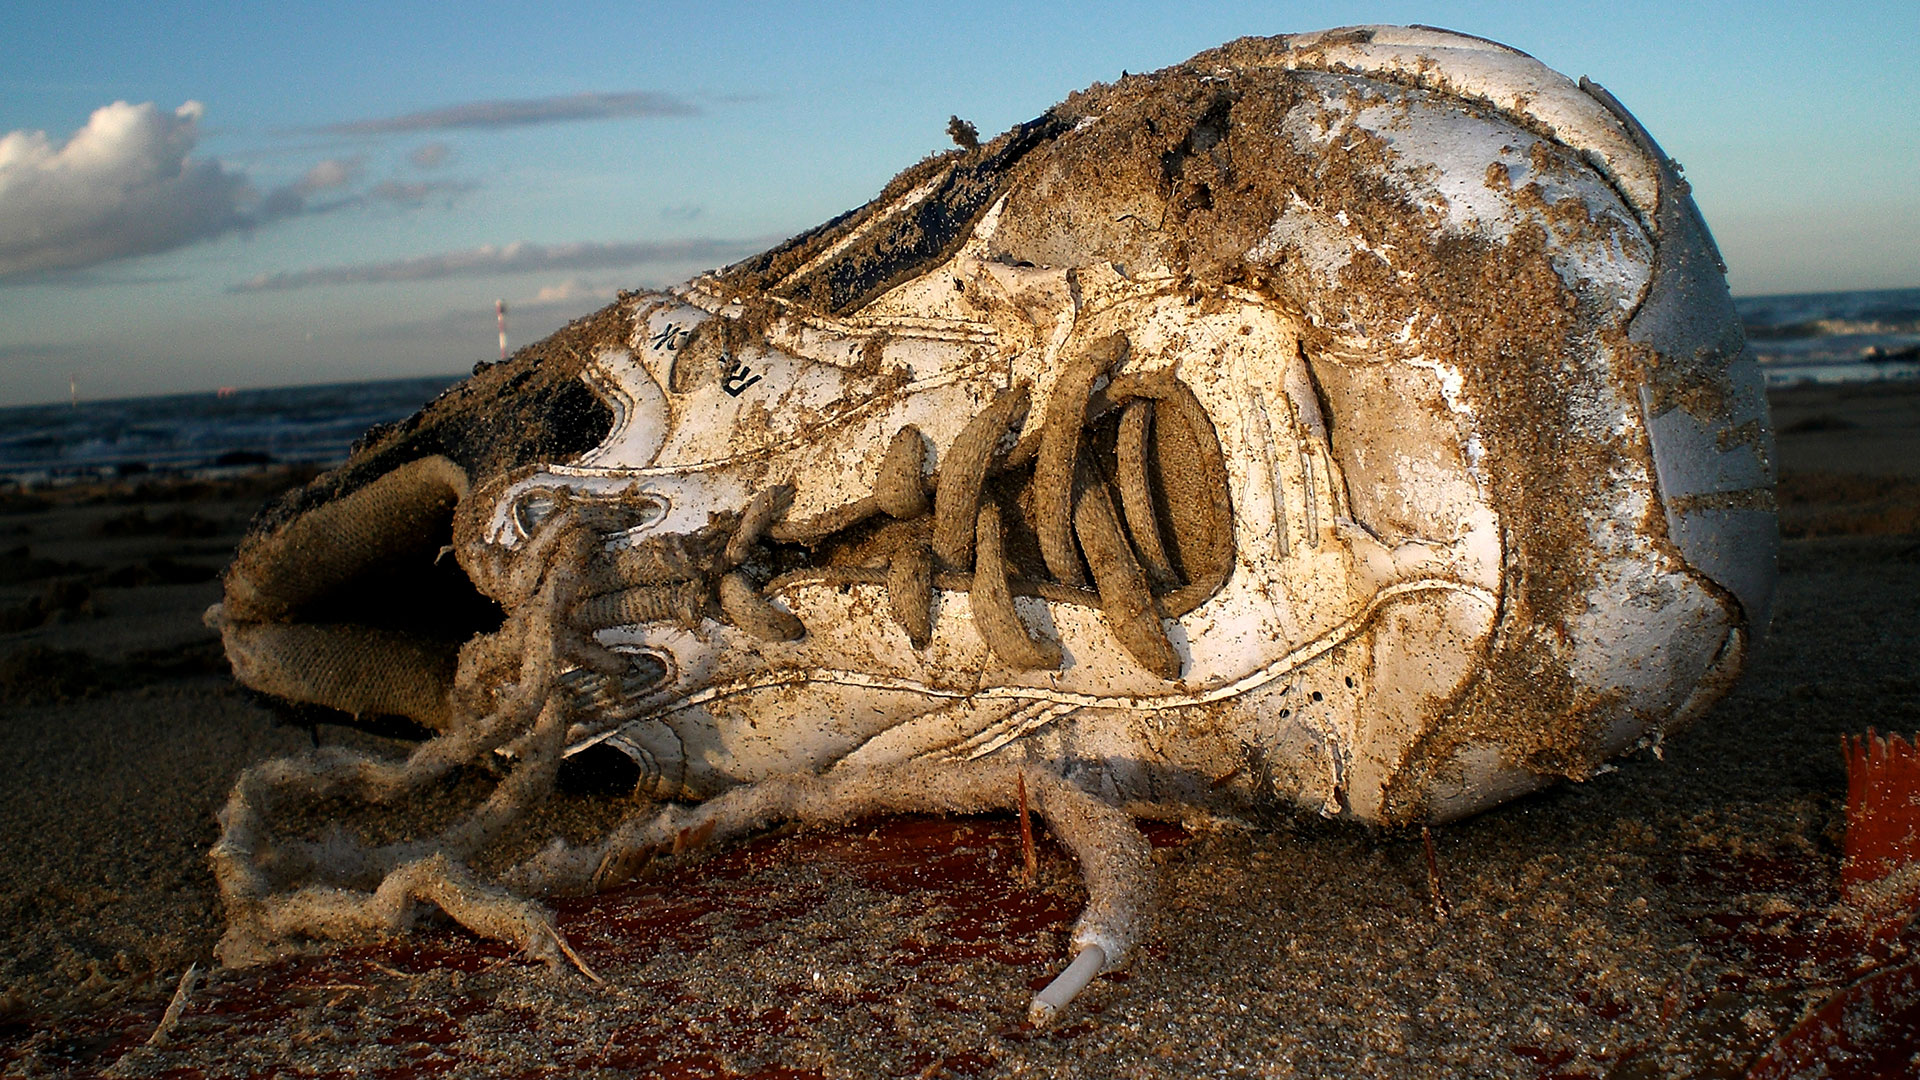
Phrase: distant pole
x=500 y=313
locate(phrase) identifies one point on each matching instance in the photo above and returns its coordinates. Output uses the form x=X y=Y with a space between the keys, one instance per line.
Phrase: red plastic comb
x=1883 y=808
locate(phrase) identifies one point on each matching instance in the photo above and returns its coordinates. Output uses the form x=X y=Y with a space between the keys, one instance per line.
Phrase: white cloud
x=123 y=185
x=430 y=155
x=329 y=174
x=412 y=193
x=514 y=258
x=290 y=199
x=522 y=112
x=569 y=291
x=127 y=184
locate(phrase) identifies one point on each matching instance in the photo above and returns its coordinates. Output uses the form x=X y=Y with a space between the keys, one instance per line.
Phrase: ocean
x=200 y=433
x=1813 y=337
x=1835 y=337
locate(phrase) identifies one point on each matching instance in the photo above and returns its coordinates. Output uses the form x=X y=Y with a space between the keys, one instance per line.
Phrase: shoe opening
x=358 y=605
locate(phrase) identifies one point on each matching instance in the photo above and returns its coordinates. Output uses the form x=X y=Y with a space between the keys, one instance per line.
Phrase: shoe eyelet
x=617 y=697
x=638 y=511
x=532 y=509
x=647 y=510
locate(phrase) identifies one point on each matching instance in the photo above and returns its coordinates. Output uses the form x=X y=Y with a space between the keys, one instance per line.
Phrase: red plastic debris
x=1868 y=1031
x=1868 y=1028
x=1883 y=809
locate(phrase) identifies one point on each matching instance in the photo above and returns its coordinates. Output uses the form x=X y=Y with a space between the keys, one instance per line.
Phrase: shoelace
x=681 y=578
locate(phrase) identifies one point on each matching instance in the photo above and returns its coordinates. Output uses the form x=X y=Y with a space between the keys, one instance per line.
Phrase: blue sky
x=354 y=185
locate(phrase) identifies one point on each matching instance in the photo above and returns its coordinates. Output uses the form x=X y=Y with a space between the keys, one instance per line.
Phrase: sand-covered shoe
x=1355 y=422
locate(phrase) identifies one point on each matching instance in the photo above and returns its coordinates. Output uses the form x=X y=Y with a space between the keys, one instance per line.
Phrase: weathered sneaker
x=1355 y=421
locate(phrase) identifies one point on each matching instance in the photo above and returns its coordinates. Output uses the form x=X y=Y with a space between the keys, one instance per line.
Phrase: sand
x=1674 y=917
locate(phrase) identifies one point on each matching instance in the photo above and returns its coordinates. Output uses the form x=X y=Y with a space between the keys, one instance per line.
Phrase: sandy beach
x=1678 y=916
